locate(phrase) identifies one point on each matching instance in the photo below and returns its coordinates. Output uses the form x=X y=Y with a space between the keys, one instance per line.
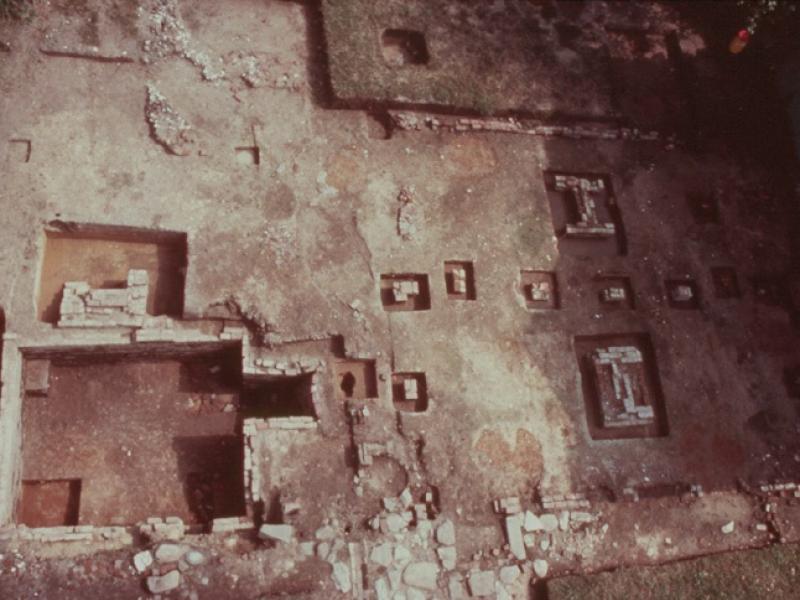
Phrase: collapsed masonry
x=584 y=192
x=619 y=381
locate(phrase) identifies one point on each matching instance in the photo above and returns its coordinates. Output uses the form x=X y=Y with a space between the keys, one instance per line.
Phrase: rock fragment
x=421 y=575
x=158 y=584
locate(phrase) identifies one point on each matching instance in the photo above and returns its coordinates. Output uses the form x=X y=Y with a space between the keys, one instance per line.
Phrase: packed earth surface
x=395 y=300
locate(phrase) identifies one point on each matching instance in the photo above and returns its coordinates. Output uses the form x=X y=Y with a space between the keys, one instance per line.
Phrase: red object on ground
x=743 y=35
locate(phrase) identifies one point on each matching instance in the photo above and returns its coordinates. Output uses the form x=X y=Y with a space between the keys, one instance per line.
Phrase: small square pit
x=405 y=292
x=410 y=392
x=539 y=289
x=355 y=379
x=459 y=280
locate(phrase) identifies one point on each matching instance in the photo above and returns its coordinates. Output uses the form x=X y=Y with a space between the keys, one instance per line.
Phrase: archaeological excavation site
x=399 y=299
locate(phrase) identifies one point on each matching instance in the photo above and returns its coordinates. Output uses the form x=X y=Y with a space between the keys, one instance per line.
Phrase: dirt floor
x=264 y=135
x=143 y=438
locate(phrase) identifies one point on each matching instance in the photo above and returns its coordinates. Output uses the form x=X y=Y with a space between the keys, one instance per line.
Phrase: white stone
x=164 y=583
x=341 y=577
x=481 y=583
x=401 y=554
x=414 y=594
x=446 y=533
x=168 y=553
x=456 y=588
x=532 y=522
x=382 y=554
x=448 y=556
x=563 y=520
x=540 y=567
x=549 y=522
x=514 y=535
x=280 y=533
x=382 y=591
x=509 y=574
x=421 y=575
x=395 y=523
x=325 y=533
x=728 y=527
x=142 y=560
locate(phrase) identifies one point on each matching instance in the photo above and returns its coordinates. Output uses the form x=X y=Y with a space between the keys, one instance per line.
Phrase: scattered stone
x=455 y=587
x=728 y=527
x=481 y=583
x=395 y=523
x=549 y=522
x=169 y=128
x=323 y=549
x=529 y=540
x=514 y=535
x=341 y=577
x=544 y=544
x=325 y=533
x=382 y=554
x=158 y=584
x=280 y=533
x=532 y=522
x=142 y=560
x=509 y=574
x=563 y=520
x=194 y=558
x=540 y=568
x=307 y=548
x=421 y=575
x=382 y=591
x=446 y=533
x=448 y=556
x=401 y=554
x=168 y=553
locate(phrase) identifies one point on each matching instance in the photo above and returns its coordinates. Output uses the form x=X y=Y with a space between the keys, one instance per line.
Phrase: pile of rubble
x=406 y=214
x=168 y=128
x=167 y=566
x=83 y=306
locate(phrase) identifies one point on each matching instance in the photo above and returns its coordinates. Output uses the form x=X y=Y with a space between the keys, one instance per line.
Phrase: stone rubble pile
x=406 y=213
x=168 y=127
x=84 y=306
x=165 y=567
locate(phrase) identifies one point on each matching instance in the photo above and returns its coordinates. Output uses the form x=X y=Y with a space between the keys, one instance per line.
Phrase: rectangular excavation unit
x=104 y=264
x=621 y=386
x=614 y=292
x=459 y=280
x=355 y=379
x=404 y=292
x=585 y=214
x=539 y=289
x=410 y=392
x=112 y=436
x=269 y=396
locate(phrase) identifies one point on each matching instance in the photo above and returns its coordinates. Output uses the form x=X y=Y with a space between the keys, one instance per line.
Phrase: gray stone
x=382 y=589
x=325 y=533
x=540 y=567
x=414 y=594
x=421 y=575
x=142 y=560
x=280 y=533
x=401 y=554
x=456 y=588
x=167 y=553
x=481 y=583
x=446 y=533
x=164 y=583
x=509 y=574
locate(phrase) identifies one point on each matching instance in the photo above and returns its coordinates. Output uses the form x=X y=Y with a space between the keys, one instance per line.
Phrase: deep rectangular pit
x=103 y=256
x=149 y=432
x=50 y=503
x=621 y=386
x=539 y=289
x=405 y=291
x=355 y=379
x=459 y=280
x=586 y=217
x=726 y=283
x=268 y=396
x=404 y=47
x=410 y=392
x=19 y=151
x=614 y=292
x=682 y=293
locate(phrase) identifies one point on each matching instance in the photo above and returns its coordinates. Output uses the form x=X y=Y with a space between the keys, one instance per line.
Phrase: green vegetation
x=745 y=575
x=16 y=9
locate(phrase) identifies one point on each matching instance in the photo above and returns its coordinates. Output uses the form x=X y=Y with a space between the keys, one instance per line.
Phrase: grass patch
x=743 y=575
